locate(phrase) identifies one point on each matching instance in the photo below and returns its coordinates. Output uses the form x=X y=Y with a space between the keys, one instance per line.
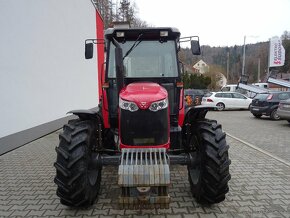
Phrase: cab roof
x=148 y=33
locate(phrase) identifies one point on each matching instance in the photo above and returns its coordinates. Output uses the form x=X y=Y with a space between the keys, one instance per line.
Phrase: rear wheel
x=209 y=172
x=77 y=178
x=220 y=106
x=288 y=121
x=274 y=115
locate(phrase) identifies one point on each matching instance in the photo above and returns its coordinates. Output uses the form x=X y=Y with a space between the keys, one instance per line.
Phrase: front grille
x=144 y=127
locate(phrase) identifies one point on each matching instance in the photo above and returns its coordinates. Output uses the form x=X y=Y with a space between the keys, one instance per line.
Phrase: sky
x=219 y=22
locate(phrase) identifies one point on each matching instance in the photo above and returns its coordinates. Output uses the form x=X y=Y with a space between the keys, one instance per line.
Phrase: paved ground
x=269 y=135
x=260 y=187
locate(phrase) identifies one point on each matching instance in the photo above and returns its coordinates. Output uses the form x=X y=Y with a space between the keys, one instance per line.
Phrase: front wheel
x=209 y=171
x=77 y=177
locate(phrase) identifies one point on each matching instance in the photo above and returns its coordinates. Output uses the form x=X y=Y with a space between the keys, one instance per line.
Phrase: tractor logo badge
x=143 y=104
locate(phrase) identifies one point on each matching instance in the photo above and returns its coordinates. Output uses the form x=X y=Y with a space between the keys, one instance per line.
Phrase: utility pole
x=259 y=68
x=228 y=65
x=244 y=56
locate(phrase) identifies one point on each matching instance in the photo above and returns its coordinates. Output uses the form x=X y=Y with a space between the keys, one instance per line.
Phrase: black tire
x=288 y=121
x=257 y=115
x=220 y=106
x=77 y=179
x=274 y=115
x=209 y=174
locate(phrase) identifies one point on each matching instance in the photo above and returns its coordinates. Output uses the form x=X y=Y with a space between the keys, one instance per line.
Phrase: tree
x=195 y=81
x=112 y=11
x=286 y=44
x=126 y=11
x=214 y=74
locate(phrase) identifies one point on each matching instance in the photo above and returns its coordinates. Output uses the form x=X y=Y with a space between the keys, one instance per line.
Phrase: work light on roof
x=163 y=33
x=120 y=34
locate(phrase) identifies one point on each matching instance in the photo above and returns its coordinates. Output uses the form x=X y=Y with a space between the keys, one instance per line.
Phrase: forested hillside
x=123 y=10
x=256 y=54
x=256 y=58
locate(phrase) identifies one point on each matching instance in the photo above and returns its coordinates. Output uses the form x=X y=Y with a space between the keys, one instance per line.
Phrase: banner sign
x=276 y=53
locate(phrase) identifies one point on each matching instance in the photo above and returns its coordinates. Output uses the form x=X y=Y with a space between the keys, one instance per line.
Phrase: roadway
x=259 y=187
x=270 y=136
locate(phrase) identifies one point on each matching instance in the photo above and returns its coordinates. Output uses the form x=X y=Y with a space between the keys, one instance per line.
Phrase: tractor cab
x=149 y=55
x=143 y=70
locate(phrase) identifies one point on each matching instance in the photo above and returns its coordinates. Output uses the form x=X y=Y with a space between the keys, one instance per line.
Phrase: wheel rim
x=220 y=106
x=275 y=115
x=93 y=172
x=194 y=169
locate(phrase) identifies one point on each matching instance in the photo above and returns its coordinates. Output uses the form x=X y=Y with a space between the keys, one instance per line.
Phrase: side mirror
x=89 y=50
x=195 y=47
x=181 y=65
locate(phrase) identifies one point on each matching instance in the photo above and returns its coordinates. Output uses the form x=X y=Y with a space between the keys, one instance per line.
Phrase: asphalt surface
x=271 y=136
x=260 y=185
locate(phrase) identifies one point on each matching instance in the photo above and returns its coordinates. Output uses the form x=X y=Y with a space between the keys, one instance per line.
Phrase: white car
x=226 y=100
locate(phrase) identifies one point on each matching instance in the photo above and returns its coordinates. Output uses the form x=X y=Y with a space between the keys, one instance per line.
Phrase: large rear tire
x=209 y=172
x=77 y=178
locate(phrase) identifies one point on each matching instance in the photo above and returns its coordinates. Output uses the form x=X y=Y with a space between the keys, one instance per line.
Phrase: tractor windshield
x=147 y=59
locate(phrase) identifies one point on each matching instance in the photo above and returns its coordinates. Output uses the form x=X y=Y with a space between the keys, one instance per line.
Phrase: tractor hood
x=143 y=93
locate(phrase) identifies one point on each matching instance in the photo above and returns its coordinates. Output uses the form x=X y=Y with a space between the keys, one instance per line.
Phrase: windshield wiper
x=136 y=43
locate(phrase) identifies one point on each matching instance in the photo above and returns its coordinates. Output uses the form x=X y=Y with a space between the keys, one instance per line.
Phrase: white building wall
x=43 y=72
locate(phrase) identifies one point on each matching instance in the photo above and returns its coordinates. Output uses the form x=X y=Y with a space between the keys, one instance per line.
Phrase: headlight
x=127 y=105
x=159 y=105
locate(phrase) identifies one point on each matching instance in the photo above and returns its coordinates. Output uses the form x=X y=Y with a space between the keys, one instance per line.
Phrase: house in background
x=200 y=67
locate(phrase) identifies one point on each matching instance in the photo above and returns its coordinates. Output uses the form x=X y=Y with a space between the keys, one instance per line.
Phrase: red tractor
x=141 y=126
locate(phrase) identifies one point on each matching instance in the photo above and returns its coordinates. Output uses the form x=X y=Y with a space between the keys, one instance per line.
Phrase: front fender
x=197 y=113
x=87 y=114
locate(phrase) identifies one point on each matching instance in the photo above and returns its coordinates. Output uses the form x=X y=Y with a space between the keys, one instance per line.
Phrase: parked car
x=233 y=88
x=267 y=104
x=192 y=97
x=226 y=100
x=284 y=110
